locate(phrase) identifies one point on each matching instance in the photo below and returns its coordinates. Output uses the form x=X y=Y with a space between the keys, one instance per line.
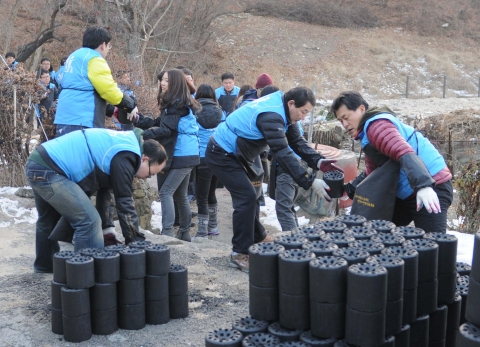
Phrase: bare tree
x=45 y=35
x=179 y=27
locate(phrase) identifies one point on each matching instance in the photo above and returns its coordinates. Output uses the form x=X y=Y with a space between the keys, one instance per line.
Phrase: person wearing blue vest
x=177 y=130
x=11 y=62
x=237 y=143
x=66 y=171
x=227 y=93
x=206 y=182
x=46 y=64
x=49 y=94
x=87 y=86
x=424 y=191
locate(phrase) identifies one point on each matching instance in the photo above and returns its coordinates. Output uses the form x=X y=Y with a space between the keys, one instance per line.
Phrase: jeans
x=286 y=191
x=247 y=228
x=55 y=196
x=63 y=129
x=406 y=211
x=105 y=199
x=206 y=183
x=175 y=186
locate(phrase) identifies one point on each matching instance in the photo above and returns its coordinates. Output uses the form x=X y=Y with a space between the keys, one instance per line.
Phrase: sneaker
x=240 y=260
x=268 y=238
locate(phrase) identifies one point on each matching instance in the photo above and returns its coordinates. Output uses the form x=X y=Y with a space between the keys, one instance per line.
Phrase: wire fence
x=440 y=86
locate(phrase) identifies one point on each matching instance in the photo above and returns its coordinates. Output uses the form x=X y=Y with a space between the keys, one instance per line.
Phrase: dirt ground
x=218 y=293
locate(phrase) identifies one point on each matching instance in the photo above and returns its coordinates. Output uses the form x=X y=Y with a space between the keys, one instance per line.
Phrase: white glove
x=320 y=188
x=133 y=115
x=428 y=198
x=110 y=237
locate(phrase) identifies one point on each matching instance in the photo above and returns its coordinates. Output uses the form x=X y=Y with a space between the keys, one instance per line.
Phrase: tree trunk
x=11 y=25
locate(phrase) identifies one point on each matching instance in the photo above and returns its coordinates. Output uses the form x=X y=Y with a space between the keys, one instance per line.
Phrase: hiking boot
x=240 y=261
x=212 y=220
x=268 y=238
x=202 y=226
x=184 y=236
x=168 y=232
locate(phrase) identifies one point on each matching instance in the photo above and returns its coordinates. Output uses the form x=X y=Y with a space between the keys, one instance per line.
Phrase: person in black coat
x=208 y=119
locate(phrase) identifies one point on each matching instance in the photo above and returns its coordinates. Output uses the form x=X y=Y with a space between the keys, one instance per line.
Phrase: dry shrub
x=331 y=14
x=468 y=187
x=15 y=131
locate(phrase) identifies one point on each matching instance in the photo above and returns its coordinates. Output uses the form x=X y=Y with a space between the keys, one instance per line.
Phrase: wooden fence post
x=310 y=127
x=444 y=85
x=406 y=89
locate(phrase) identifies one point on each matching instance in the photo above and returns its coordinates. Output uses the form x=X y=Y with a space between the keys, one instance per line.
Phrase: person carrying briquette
x=87 y=87
x=177 y=130
x=66 y=171
x=88 y=84
x=424 y=192
x=237 y=142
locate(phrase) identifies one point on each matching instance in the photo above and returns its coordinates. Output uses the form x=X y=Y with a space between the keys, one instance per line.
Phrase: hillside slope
x=375 y=61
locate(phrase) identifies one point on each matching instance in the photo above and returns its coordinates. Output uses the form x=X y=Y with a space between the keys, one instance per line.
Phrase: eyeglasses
x=109 y=46
x=149 y=173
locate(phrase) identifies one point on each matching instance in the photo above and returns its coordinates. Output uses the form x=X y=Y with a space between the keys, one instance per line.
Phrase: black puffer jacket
x=210 y=115
x=272 y=127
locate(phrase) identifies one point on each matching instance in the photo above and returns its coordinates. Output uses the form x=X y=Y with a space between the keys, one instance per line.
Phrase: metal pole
x=15 y=112
x=444 y=84
x=310 y=127
x=406 y=89
x=1 y=56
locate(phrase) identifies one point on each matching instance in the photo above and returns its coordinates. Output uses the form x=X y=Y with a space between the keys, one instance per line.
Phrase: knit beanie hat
x=263 y=80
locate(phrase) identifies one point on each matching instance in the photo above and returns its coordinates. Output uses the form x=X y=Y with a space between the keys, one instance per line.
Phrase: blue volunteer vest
x=59 y=76
x=187 y=139
x=78 y=152
x=76 y=104
x=243 y=121
x=430 y=156
x=204 y=136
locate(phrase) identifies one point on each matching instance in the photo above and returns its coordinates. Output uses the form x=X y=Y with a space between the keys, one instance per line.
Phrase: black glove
x=128 y=103
x=351 y=187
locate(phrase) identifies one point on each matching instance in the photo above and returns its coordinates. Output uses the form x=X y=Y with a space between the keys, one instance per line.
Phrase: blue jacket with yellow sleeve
x=87 y=85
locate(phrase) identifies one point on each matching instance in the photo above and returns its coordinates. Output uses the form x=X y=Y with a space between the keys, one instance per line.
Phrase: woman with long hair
x=208 y=119
x=177 y=130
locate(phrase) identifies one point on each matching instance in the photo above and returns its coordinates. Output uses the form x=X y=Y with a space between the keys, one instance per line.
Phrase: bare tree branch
x=153 y=27
x=120 y=12
x=26 y=50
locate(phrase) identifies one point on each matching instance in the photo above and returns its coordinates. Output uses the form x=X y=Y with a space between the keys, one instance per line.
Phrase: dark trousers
x=406 y=211
x=191 y=183
x=206 y=183
x=247 y=228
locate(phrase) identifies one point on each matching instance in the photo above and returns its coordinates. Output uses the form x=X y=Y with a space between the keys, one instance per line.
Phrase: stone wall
x=143 y=196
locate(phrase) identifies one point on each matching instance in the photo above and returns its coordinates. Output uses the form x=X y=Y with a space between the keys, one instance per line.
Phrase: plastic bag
x=313 y=204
